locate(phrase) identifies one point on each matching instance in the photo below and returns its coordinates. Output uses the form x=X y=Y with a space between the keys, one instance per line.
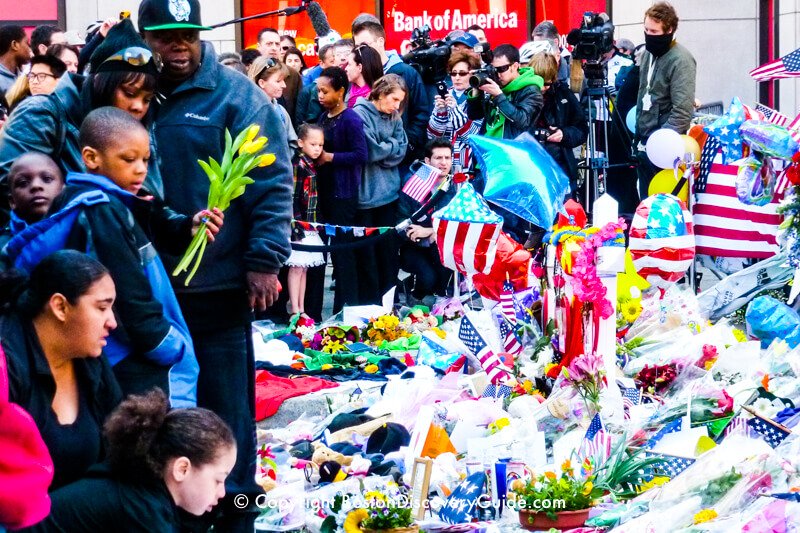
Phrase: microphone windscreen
x=318 y=18
x=574 y=36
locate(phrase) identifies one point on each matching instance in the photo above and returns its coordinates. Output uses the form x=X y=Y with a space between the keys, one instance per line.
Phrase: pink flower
x=725 y=403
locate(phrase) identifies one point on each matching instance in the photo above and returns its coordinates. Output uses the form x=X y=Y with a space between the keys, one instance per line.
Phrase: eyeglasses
x=502 y=68
x=457 y=73
x=135 y=56
x=548 y=84
x=39 y=77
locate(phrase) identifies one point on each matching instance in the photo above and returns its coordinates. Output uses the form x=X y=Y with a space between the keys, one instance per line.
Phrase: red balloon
x=512 y=259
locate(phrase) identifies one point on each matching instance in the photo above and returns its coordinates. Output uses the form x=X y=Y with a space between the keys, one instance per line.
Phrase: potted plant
x=381 y=512
x=551 y=500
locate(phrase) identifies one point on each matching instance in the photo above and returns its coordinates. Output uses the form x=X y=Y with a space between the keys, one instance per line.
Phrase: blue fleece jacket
x=190 y=124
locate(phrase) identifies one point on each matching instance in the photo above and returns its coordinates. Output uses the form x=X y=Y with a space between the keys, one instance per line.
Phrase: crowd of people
x=98 y=152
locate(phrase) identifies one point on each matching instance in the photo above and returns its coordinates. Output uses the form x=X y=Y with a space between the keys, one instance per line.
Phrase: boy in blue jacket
x=117 y=225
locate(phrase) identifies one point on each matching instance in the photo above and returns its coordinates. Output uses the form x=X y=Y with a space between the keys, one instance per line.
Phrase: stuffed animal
x=322 y=454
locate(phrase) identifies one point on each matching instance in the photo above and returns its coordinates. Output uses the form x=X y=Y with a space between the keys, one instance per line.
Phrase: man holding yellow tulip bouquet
x=199 y=100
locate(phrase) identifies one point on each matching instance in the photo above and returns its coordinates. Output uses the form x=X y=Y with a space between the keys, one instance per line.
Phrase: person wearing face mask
x=666 y=85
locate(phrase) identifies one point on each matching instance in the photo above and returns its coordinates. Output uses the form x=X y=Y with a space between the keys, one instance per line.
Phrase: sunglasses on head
x=135 y=56
x=502 y=68
x=271 y=63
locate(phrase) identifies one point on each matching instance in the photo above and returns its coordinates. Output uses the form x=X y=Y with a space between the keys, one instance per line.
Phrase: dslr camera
x=541 y=134
x=482 y=75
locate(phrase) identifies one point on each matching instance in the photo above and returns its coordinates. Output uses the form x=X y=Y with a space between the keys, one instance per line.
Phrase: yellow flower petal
x=266 y=160
x=252 y=131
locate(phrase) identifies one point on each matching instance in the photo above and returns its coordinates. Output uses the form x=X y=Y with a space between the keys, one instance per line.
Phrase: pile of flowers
x=379 y=510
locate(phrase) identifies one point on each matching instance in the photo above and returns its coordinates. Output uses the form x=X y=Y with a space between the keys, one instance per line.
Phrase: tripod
x=596 y=163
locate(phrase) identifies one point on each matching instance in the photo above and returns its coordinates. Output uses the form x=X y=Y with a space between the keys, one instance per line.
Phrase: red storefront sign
x=340 y=16
x=505 y=21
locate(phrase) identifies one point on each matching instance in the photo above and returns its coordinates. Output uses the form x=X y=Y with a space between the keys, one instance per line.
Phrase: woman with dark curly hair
x=159 y=461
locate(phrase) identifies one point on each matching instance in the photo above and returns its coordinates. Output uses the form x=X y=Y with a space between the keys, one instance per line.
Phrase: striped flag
x=770 y=115
x=724 y=226
x=596 y=442
x=490 y=362
x=467 y=232
x=511 y=342
x=739 y=425
x=787 y=66
x=662 y=240
x=630 y=397
x=507 y=307
x=794 y=128
x=422 y=182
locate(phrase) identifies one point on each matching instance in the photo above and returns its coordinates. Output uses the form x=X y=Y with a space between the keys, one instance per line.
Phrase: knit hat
x=388 y=438
x=155 y=15
x=123 y=50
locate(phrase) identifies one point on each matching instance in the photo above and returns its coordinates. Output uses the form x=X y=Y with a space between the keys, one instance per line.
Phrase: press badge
x=646 y=102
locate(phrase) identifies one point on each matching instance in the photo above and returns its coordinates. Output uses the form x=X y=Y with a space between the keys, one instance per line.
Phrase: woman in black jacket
x=53 y=332
x=159 y=461
x=561 y=126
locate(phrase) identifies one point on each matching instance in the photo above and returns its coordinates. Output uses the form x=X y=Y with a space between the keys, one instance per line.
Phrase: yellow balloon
x=691 y=146
x=665 y=182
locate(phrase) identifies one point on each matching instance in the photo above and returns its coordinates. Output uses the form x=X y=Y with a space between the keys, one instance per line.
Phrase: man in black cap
x=198 y=100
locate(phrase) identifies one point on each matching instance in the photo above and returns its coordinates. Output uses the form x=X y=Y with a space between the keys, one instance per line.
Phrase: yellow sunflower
x=352 y=523
x=631 y=310
x=706 y=515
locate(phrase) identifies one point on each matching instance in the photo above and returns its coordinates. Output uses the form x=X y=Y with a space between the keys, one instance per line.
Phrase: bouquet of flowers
x=587 y=376
x=656 y=379
x=384 y=328
x=380 y=510
x=333 y=339
x=419 y=319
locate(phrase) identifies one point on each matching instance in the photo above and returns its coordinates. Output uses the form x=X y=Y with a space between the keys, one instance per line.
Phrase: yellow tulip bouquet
x=227 y=182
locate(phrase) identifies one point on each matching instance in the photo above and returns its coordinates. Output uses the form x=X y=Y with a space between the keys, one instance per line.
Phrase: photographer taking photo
x=508 y=97
x=561 y=125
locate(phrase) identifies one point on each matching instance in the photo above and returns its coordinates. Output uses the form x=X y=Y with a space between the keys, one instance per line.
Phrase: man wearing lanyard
x=666 y=85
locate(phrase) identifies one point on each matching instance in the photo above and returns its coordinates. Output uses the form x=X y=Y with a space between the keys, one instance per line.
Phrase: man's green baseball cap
x=155 y=15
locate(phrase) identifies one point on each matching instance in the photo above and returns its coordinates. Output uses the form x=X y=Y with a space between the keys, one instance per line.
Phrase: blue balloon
x=630 y=120
x=521 y=177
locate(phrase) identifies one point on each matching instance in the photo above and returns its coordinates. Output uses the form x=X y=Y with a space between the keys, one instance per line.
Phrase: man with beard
x=666 y=85
x=198 y=100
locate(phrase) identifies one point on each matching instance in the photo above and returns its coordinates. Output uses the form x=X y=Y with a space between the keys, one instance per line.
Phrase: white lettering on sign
x=406 y=23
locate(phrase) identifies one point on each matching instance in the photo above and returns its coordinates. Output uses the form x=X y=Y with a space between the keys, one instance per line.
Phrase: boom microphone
x=319 y=21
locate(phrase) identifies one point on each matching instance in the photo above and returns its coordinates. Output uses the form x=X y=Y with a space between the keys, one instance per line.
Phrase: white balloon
x=665 y=146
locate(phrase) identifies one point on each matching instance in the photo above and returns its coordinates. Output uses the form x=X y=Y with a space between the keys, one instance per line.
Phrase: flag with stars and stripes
x=794 y=128
x=507 y=307
x=662 y=240
x=737 y=424
x=596 y=442
x=466 y=232
x=422 y=182
x=672 y=427
x=630 y=397
x=671 y=465
x=787 y=66
x=461 y=504
x=496 y=391
x=773 y=116
x=489 y=361
x=511 y=342
x=772 y=433
x=724 y=226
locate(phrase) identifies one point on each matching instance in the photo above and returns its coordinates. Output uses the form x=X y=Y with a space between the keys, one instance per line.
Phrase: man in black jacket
x=510 y=107
x=199 y=99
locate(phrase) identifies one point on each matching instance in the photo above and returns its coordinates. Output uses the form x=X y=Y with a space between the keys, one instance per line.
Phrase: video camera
x=594 y=38
x=428 y=57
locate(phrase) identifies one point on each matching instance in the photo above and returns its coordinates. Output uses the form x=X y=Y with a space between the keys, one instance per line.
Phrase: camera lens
x=476 y=80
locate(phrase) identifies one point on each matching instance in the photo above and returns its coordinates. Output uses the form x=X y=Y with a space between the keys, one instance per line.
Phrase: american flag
x=511 y=342
x=737 y=424
x=475 y=343
x=507 y=306
x=724 y=226
x=596 y=442
x=422 y=182
x=662 y=240
x=467 y=232
x=630 y=397
x=773 y=116
x=773 y=434
x=496 y=391
x=672 y=427
x=671 y=466
x=787 y=66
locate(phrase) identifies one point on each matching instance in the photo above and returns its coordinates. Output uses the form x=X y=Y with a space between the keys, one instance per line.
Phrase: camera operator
x=449 y=118
x=508 y=98
x=561 y=125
